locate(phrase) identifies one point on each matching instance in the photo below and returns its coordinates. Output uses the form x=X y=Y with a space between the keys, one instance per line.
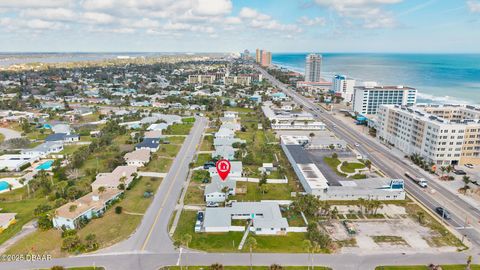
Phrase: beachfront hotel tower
x=313 y=63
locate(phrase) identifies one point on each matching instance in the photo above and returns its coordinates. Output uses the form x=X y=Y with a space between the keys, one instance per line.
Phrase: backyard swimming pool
x=3 y=185
x=45 y=166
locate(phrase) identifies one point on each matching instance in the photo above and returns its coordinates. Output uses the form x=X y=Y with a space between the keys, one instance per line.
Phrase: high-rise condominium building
x=367 y=98
x=342 y=85
x=313 y=64
x=441 y=134
x=263 y=57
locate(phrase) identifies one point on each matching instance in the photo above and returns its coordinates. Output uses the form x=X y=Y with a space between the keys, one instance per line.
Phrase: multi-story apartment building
x=313 y=64
x=263 y=57
x=367 y=98
x=201 y=79
x=241 y=80
x=443 y=135
x=343 y=86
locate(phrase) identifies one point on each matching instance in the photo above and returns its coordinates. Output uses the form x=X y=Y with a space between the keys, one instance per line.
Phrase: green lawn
x=351 y=167
x=109 y=229
x=424 y=267
x=169 y=150
x=228 y=242
x=179 y=129
x=16 y=202
x=274 y=192
x=159 y=164
x=175 y=139
x=207 y=144
x=188 y=120
x=202 y=159
x=2 y=137
x=246 y=268
x=333 y=163
x=194 y=194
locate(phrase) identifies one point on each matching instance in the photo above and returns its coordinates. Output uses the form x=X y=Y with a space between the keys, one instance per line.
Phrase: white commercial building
x=291 y=121
x=441 y=134
x=367 y=98
x=314 y=181
x=313 y=64
x=266 y=218
x=343 y=86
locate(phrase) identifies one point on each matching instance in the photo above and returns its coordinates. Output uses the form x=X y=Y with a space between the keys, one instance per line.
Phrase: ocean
x=439 y=78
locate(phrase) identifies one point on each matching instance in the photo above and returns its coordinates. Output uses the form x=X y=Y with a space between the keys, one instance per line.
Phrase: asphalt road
x=150 y=246
x=10 y=133
x=395 y=167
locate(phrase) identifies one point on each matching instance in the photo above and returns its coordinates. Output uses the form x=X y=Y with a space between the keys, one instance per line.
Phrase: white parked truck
x=419 y=181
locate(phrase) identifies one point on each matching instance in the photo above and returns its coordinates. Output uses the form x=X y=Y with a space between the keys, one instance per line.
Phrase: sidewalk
x=26 y=230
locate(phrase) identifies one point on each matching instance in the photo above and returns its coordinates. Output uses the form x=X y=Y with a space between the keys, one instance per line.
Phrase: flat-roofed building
x=441 y=134
x=314 y=181
x=367 y=98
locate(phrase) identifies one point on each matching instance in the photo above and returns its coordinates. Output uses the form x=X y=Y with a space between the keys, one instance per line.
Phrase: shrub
x=118 y=210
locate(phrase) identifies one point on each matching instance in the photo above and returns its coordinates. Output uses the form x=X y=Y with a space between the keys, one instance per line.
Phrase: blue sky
x=428 y=26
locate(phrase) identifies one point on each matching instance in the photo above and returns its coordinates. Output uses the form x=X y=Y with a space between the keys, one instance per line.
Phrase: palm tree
x=368 y=164
x=307 y=246
x=251 y=243
x=443 y=169
x=421 y=217
x=276 y=267
x=361 y=204
x=466 y=181
x=101 y=190
x=216 y=266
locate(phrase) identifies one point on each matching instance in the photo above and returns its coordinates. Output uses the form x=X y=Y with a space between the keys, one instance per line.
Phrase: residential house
x=63 y=137
x=152 y=144
x=70 y=215
x=137 y=158
x=266 y=218
x=236 y=170
x=225 y=152
x=43 y=149
x=214 y=191
x=121 y=175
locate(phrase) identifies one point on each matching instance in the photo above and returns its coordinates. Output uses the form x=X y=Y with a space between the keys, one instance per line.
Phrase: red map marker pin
x=223 y=168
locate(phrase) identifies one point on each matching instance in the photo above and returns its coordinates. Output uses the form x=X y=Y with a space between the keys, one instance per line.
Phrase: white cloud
x=368 y=12
x=38 y=24
x=250 y=13
x=212 y=7
x=54 y=14
x=34 y=3
x=312 y=21
x=97 y=18
x=474 y=6
x=233 y=20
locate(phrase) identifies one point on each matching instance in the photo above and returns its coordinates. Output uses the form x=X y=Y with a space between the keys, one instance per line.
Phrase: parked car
x=198 y=226
x=459 y=172
x=208 y=165
x=443 y=212
x=200 y=216
x=468 y=165
x=213 y=204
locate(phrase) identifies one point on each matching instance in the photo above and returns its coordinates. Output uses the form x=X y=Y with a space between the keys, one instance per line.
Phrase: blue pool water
x=45 y=166
x=3 y=185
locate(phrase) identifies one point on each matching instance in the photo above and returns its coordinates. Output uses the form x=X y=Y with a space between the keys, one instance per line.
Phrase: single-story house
x=6 y=219
x=62 y=137
x=93 y=204
x=236 y=169
x=230 y=114
x=61 y=128
x=15 y=162
x=266 y=218
x=224 y=151
x=152 y=144
x=155 y=134
x=114 y=179
x=137 y=158
x=226 y=141
x=214 y=191
x=225 y=133
x=159 y=127
x=44 y=149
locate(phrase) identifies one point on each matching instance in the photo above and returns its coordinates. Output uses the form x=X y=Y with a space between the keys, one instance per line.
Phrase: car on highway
x=357 y=144
x=459 y=172
x=443 y=212
x=468 y=165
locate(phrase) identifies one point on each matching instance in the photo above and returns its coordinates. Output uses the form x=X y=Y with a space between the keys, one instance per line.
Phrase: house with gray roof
x=44 y=149
x=214 y=191
x=225 y=152
x=266 y=218
x=226 y=141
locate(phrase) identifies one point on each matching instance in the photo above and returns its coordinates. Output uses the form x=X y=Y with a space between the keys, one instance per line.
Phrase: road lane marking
x=166 y=197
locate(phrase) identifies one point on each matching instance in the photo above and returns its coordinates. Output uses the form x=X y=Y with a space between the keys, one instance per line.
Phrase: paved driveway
x=10 y=133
